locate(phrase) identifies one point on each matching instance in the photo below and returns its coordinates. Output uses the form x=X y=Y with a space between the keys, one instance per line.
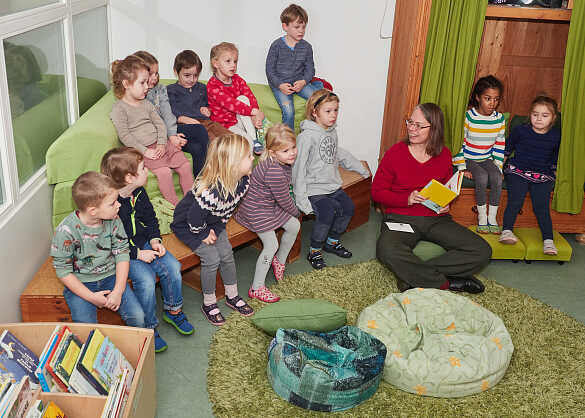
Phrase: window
x=35 y=71
x=91 y=56
x=53 y=65
x=14 y=6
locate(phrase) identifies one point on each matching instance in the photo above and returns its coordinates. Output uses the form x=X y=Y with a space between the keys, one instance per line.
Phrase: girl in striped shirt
x=269 y=206
x=482 y=153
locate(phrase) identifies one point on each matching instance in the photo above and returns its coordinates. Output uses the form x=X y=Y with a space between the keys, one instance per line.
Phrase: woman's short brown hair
x=119 y=162
x=436 y=138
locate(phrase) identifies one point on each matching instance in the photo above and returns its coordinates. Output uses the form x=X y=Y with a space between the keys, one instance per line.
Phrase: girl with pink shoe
x=268 y=206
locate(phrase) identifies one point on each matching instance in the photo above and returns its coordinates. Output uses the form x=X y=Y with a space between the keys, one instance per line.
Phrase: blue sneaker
x=160 y=345
x=179 y=321
x=258 y=148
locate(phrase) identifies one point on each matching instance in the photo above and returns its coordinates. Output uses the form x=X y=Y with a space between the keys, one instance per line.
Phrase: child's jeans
x=218 y=255
x=197 y=141
x=484 y=173
x=540 y=196
x=244 y=126
x=143 y=276
x=332 y=215
x=84 y=311
x=285 y=101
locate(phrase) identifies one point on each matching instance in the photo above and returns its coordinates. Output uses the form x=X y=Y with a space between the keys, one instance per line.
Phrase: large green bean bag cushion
x=439 y=343
x=331 y=371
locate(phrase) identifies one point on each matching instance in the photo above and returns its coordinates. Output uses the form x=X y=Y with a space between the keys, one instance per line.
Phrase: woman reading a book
x=407 y=167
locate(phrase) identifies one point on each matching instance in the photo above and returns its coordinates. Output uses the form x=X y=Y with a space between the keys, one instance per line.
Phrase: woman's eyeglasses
x=415 y=125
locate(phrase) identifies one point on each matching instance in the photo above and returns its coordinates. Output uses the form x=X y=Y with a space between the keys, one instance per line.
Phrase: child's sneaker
x=258 y=147
x=508 y=237
x=316 y=259
x=264 y=294
x=278 y=269
x=549 y=247
x=494 y=229
x=337 y=249
x=179 y=321
x=160 y=345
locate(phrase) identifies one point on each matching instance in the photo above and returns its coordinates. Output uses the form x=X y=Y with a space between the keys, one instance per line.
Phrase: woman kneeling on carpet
x=405 y=169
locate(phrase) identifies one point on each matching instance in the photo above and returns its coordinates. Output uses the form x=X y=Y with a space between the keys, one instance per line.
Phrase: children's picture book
x=62 y=336
x=21 y=400
x=43 y=376
x=35 y=410
x=78 y=383
x=16 y=360
x=53 y=411
x=110 y=363
x=440 y=195
x=67 y=358
x=86 y=359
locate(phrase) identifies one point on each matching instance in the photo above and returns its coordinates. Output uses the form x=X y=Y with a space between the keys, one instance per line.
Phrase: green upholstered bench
x=502 y=251
x=532 y=239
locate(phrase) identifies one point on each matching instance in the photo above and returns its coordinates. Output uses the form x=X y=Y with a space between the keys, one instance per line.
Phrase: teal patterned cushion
x=325 y=372
x=439 y=343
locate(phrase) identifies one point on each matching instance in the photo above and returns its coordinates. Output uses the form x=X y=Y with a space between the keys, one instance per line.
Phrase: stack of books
x=67 y=365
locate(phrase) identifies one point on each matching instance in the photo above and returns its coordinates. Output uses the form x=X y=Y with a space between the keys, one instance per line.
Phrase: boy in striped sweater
x=482 y=153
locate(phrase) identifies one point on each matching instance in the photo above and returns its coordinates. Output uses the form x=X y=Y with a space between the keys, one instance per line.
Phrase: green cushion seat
x=439 y=344
x=532 y=239
x=425 y=250
x=502 y=251
x=325 y=372
x=304 y=314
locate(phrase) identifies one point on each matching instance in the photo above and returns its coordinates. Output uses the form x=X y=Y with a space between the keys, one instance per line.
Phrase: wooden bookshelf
x=527 y=13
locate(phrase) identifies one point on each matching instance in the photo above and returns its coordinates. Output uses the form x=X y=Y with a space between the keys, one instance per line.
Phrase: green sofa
x=81 y=147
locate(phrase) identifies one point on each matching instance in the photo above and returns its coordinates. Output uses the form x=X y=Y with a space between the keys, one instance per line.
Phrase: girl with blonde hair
x=201 y=216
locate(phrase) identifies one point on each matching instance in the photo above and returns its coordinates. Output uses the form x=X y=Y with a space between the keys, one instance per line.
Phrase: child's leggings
x=269 y=247
x=165 y=181
x=218 y=255
x=540 y=196
x=332 y=215
x=485 y=172
x=244 y=126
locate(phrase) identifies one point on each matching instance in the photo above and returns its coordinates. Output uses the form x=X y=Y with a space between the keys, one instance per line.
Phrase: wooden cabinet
x=523 y=46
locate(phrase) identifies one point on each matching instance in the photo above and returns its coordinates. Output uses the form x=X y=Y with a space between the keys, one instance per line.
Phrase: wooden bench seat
x=42 y=300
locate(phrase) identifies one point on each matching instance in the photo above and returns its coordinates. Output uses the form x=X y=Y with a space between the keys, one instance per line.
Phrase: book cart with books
x=136 y=345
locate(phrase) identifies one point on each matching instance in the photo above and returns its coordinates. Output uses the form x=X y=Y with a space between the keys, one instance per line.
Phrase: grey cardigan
x=159 y=98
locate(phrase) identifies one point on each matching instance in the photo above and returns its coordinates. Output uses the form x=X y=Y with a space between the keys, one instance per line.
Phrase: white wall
x=24 y=246
x=345 y=35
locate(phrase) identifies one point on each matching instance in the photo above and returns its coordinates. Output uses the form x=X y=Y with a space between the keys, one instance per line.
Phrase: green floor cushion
x=532 y=239
x=439 y=344
x=425 y=250
x=304 y=314
x=502 y=251
x=325 y=371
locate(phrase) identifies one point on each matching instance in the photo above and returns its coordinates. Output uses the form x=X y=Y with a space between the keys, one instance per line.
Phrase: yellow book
x=90 y=355
x=53 y=411
x=440 y=195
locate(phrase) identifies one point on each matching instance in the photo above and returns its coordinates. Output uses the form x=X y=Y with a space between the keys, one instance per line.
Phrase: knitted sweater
x=268 y=204
x=399 y=173
x=91 y=253
x=139 y=219
x=160 y=100
x=138 y=126
x=196 y=216
x=484 y=138
x=224 y=103
x=532 y=151
x=287 y=65
x=188 y=102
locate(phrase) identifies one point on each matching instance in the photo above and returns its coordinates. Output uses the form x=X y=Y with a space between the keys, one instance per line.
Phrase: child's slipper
x=483 y=229
x=244 y=309
x=549 y=247
x=216 y=319
x=264 y=294
x=494 y=229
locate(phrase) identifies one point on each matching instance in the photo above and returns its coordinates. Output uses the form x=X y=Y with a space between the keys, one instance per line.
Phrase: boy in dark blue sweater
x=289 y=63
x=148 y=256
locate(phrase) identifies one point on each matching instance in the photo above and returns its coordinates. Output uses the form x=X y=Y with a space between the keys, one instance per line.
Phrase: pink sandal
x=278 y=269
x=264 y=294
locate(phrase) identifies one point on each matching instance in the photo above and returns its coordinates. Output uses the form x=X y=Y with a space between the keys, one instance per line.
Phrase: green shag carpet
x=546 y=377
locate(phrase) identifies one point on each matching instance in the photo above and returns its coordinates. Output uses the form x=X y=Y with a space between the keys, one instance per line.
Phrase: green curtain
x=453 y=40
x=568 y=195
